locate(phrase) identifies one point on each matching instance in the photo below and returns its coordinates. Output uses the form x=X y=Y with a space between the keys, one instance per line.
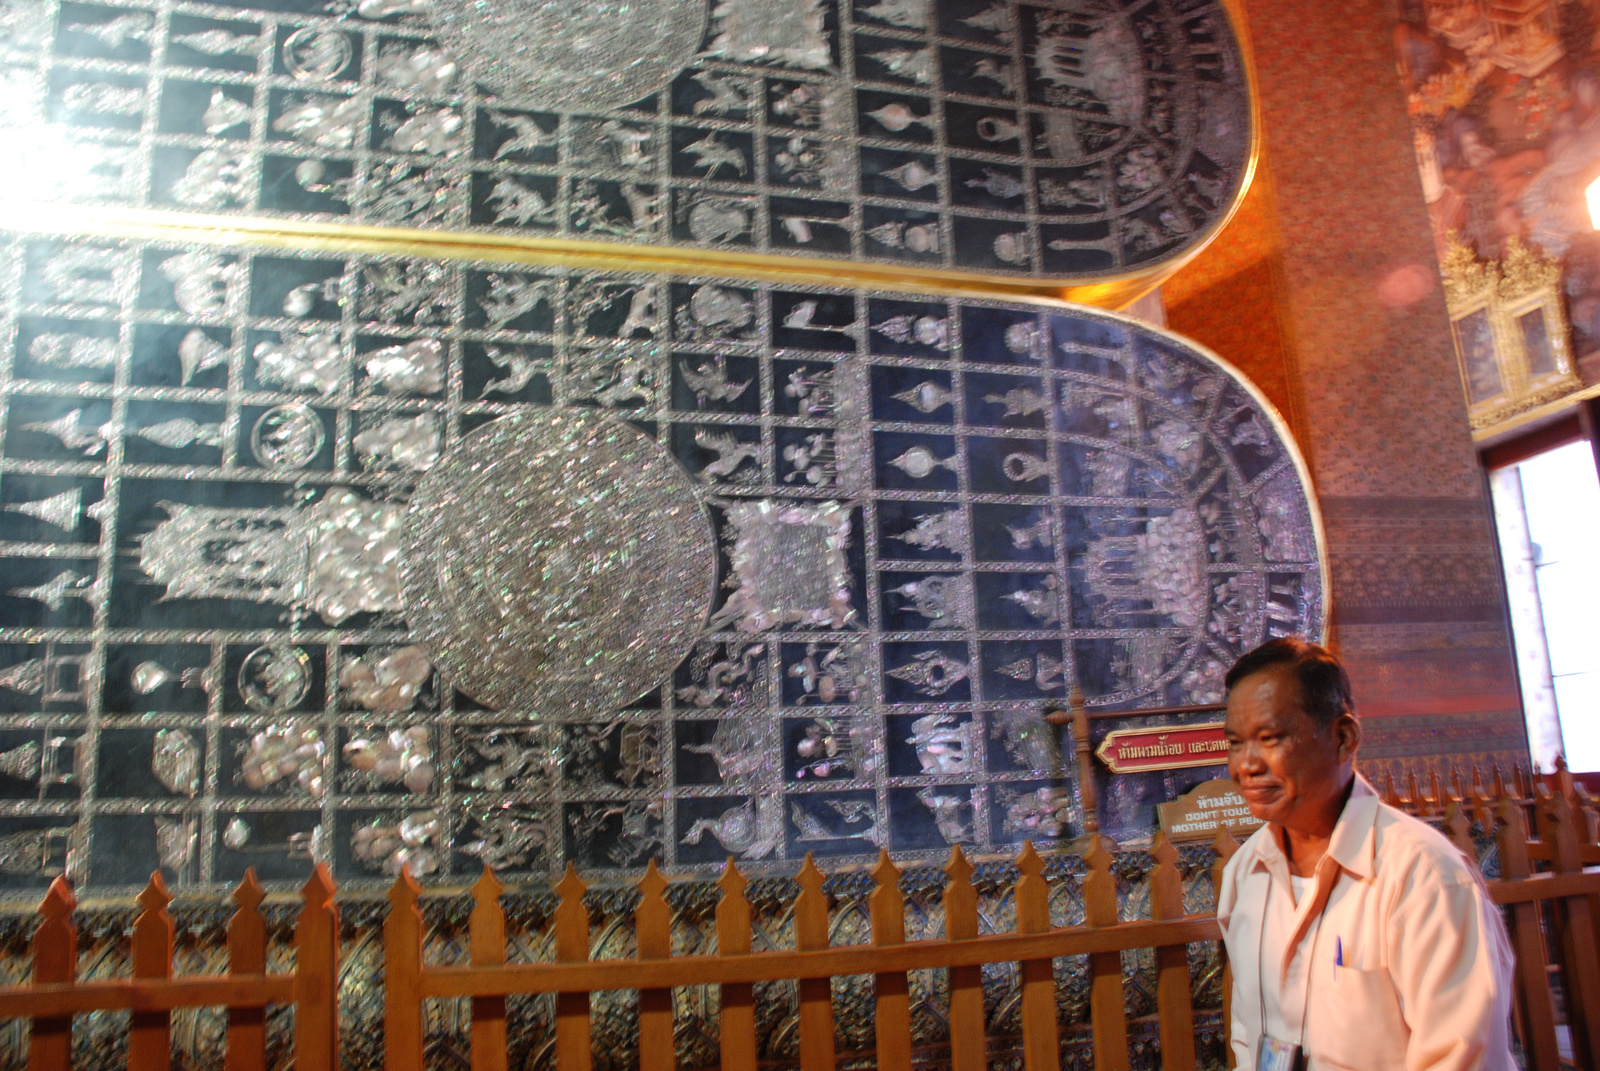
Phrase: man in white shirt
x=1359 y=937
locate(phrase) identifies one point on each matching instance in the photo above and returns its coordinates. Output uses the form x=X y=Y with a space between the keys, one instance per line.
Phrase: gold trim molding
x=268 y=232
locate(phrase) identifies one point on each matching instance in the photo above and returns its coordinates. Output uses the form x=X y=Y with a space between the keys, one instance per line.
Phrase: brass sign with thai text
x=1165 y=748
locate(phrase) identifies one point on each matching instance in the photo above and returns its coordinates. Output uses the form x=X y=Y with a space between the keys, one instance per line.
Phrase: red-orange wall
x=1324 y=290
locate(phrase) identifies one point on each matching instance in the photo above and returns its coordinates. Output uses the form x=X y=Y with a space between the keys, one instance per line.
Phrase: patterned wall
x=247 y=622
x=1301 y=291
x=251 y=499
x=1295 y=301
x=983 y=136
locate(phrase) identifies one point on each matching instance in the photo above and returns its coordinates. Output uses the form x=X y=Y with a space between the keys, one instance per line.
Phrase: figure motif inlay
x=382 y=559
x=1011 y=138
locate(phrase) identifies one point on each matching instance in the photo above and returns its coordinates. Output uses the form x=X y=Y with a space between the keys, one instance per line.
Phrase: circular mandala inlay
x=556 y=562
x=572 y=56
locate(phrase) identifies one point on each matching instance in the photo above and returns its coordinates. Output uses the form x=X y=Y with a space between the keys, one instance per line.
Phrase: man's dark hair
x=1324 y=685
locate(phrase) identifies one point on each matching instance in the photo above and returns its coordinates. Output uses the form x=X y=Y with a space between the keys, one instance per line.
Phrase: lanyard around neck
x=1261 y=953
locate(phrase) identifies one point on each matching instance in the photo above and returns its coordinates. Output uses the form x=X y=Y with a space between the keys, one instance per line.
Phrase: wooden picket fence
x=488 y=979
x=54 y=995
x=1550 y=902
x=1571 y=898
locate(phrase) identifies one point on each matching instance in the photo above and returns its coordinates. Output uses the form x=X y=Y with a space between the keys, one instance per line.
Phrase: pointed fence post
x=1586 y=820
x=1575 y=927
x=55 y=959
x=486 y=943
x=246 y=1048
x=1482 y=804
x=150 y=1032
x=574 y=1046
x=653 y=925
x=1174 y=1005
x=893 y=1015
x=966 y=983
x=816 y=994
x=402 y=977
x=1040 y=1051
x=1459 y=828
x=316 y=972
x=1563 y=778
x=1107 y=1010
x=1535 y=1007
x=738 y=1001
x=1391 y=795
x=1225 y=844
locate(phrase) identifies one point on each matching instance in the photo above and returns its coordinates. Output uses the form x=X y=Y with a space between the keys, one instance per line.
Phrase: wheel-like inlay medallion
x=555 y=562
x=582 y=56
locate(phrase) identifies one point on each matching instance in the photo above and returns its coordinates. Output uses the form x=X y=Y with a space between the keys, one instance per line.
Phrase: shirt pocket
x=1355 y=1022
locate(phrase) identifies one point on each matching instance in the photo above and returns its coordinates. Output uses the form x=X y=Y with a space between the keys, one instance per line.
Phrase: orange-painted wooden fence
x=54 y=996
x=812 y=963
x=1551 y=903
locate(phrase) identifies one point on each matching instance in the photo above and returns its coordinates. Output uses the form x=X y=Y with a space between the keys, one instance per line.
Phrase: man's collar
x=1354 y=843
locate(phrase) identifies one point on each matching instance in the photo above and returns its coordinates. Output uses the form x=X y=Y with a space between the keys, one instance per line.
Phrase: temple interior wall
x=1325 y=290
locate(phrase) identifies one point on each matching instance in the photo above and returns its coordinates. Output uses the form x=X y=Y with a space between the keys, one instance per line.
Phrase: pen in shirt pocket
x=1338 y=955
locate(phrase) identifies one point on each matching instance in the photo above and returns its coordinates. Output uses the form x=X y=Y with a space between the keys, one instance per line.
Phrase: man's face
x=1285 y=764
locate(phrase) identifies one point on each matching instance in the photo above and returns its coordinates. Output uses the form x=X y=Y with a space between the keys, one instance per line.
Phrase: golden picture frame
x=1510 y=331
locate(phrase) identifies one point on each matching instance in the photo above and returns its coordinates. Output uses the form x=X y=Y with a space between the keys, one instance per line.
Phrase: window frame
x=1580 y=424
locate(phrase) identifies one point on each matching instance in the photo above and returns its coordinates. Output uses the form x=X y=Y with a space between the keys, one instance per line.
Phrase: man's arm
x=1239 y=1031
x=1450 y=960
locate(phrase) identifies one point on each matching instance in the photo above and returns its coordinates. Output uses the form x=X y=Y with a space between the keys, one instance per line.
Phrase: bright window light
x=1547 y=510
